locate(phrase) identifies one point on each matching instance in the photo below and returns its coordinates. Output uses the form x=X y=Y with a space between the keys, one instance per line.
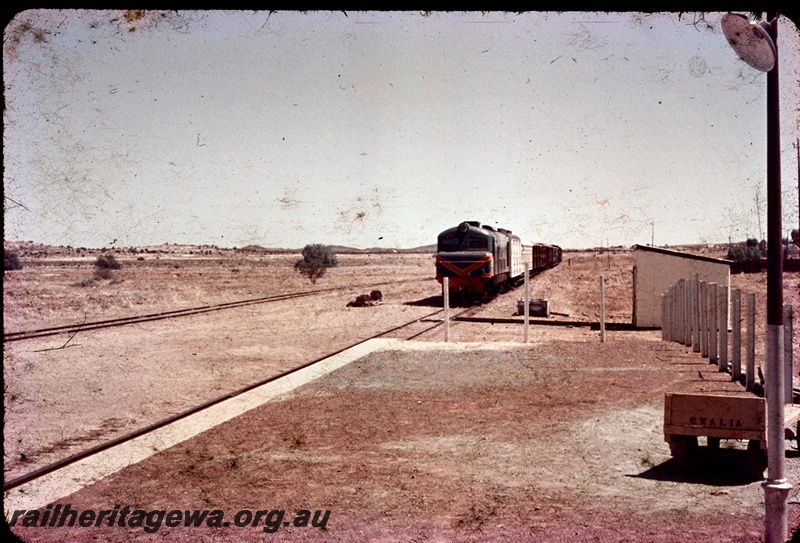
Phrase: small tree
x=104 y=264
x=745 y=253
x=107 y=262
x=316 y=260
x=11 y=261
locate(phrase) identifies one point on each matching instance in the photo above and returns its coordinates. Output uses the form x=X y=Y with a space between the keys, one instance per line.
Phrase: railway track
x=33 y=475
x=123 y=321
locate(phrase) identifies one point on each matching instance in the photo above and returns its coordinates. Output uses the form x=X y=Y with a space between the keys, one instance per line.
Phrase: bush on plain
x=317 y=258
x=11 y=261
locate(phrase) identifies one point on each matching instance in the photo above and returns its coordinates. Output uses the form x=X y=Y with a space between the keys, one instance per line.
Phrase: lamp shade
x=750 y=41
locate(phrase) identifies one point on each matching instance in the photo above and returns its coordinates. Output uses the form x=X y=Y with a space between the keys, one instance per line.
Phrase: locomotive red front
x=479 y=260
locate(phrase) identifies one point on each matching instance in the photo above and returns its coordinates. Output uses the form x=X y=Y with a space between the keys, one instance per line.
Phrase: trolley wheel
x=684 y=450
x=756 y=459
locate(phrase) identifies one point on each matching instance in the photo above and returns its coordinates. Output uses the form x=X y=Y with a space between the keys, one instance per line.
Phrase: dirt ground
x=557 y=440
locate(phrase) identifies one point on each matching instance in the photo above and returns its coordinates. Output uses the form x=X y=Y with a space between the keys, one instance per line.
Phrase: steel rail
x=28 y=477
x=121 y=321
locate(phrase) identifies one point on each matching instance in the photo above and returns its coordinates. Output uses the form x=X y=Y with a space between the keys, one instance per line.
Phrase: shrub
x=104 y=265
x=316 y=260
x=739 y=253
x=11 y=261
x=107 y=262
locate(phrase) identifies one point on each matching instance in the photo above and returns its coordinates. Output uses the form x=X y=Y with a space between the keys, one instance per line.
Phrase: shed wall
x=656 y=272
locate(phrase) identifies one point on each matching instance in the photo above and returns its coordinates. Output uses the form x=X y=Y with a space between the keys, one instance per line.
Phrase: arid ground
x=559 y=439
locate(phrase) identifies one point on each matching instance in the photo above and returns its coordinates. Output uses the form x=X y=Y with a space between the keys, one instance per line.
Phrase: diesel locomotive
x=480 y=260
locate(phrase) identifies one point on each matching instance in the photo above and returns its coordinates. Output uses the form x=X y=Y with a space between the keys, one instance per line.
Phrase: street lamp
x=757 y=45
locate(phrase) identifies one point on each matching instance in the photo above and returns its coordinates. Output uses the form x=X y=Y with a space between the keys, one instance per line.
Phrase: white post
x=787 y=352
x=602 y=310
x=527 y=302
x=713 y=322
x=723 y=327
x=446 y=296
x=682 y=301
x=687 y=312
x=750 y=374
x=676 y=313
x=736 y=297
x=695 y=314
x=703 y=320
x=670 y=314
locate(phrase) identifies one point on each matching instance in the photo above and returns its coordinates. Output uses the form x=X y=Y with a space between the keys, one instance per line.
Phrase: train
x=480 y=260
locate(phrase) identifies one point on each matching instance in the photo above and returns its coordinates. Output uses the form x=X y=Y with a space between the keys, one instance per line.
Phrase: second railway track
x=52 y=467
x=122 y=321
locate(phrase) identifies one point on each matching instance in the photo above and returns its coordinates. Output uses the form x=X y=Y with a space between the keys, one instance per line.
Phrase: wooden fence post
x=602 y=310
x=687 y=301
x=713 y=322
x=527 y=302
x=750 y=379
x=736 y=297
x=673 y=314
x=695 y=306
x=682 y=294
x=687 y=312
x=676 y=304
x=446 y=296
x=723 y=327
x=703 y=319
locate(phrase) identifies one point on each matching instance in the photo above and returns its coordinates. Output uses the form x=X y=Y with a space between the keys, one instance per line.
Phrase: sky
x=381 y=129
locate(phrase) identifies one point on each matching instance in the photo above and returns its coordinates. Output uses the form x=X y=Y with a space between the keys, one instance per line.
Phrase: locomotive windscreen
x=471 y=242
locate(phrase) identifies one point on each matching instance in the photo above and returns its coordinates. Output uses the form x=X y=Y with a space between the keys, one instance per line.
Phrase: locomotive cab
x=471 y=257
x=480 y=261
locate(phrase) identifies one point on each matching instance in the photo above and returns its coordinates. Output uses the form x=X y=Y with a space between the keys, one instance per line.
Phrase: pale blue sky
x=382 y=129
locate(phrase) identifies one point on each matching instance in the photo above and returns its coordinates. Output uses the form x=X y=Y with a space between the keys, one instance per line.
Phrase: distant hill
x=342 y=250
x=422 y=249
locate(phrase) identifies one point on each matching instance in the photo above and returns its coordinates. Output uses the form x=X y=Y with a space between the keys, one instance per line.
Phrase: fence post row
x=698 y=313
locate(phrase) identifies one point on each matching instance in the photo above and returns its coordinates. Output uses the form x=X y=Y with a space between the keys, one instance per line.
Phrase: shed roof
x=681 y=255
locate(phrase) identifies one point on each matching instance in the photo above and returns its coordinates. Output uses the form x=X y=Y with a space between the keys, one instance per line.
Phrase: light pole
x=757 y=45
